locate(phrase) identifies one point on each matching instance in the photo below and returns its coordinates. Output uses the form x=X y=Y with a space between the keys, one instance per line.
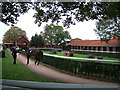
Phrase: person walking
x=14 y=54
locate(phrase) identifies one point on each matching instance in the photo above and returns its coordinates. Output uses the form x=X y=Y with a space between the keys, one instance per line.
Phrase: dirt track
x=58 y=76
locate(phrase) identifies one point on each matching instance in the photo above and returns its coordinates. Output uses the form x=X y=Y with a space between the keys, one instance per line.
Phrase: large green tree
x=13 y=34
x=37 y=41
x=107 y=28
x=55 y=34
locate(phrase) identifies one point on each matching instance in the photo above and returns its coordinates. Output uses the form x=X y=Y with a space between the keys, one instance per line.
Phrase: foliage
x=91 y=56
x=37 y=41
x=55 y=34
x=18 y=71
x=69 y=13
x=108 y=28
x=100 y=57
x=75 y=11
x=12 y=10
x=76 y=39
x=103 y=71
x=13 y=34
x=54 y=51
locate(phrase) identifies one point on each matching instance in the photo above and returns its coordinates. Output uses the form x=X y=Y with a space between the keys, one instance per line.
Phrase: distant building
x=97 y=45
x=22 y=41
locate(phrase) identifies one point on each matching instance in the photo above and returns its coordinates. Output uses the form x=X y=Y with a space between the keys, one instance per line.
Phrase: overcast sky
x=83 y=30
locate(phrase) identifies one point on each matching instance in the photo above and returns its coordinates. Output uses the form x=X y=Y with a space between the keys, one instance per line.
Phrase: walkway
x=58 y=76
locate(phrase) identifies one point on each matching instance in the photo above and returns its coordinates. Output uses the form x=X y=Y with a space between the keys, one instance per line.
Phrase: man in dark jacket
x=14 y=54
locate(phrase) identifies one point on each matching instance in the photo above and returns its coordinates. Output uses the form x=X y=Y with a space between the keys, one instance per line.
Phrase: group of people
x=14 y=51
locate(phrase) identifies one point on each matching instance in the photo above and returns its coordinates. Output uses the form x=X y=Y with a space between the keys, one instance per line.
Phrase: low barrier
x=99 y=53
x=75 y=58
x=88 y=67
x=29 y=85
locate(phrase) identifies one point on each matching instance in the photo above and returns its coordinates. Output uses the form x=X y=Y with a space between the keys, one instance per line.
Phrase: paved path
x=58 y=76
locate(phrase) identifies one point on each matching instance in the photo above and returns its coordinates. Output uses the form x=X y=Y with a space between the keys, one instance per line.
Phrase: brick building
x=97 y=45
x=20 y=42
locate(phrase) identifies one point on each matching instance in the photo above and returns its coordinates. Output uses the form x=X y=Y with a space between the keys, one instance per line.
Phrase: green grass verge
x=19 y=71
x=80 y=55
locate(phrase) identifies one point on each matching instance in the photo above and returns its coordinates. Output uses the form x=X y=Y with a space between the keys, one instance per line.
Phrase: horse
x=33 y=52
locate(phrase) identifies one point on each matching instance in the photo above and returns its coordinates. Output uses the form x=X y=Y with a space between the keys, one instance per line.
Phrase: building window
x=94 y=48
x=78 y=47
x=110 y=48
x=99 y=48
x=90 y=48
x=104 y=48
x=118 y=49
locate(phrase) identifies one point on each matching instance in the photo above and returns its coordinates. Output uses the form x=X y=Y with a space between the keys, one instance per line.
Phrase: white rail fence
x=87 y=59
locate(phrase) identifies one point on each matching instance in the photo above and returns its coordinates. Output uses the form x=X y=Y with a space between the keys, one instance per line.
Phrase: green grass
x=19 y=71
x=80 y=55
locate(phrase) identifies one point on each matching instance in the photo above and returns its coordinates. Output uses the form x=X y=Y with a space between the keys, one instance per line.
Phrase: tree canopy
x=76 y=39
x=13 y=34
x=107 y=28
x=37 y=41
x=12 y=10
x=55 y=34
x=69 y=13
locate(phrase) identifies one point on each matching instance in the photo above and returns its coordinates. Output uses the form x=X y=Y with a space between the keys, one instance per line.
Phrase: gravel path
x=58 y=76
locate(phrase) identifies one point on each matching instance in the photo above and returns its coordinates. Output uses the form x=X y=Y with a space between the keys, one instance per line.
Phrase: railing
x=37 y=85
x=75 y=58
x=95 y=51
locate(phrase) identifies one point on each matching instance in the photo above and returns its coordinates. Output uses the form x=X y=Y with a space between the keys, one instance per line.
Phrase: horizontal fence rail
x=75 y=58
x=37 y=85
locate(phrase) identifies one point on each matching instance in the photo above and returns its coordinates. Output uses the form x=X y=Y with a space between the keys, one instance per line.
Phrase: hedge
x=93 y=69
x=104 y=71
x=113 y=55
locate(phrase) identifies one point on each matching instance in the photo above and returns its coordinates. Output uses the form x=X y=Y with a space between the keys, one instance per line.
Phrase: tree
x=13 y=34
x=71 y=11
x=55 y=34
x=66 y=12
x=107 y=28
x=76 y=39
x=75 y=11
x=37 y=41
x=12 y=10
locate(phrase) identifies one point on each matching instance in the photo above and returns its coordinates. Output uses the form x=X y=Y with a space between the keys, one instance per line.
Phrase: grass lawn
x=18 y=71
x=80 y=55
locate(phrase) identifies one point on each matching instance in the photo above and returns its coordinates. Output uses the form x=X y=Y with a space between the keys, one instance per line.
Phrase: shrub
x=54 y=51
x=100 y=57
x=91 y=56
x=104 y=71
x=59 y=50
